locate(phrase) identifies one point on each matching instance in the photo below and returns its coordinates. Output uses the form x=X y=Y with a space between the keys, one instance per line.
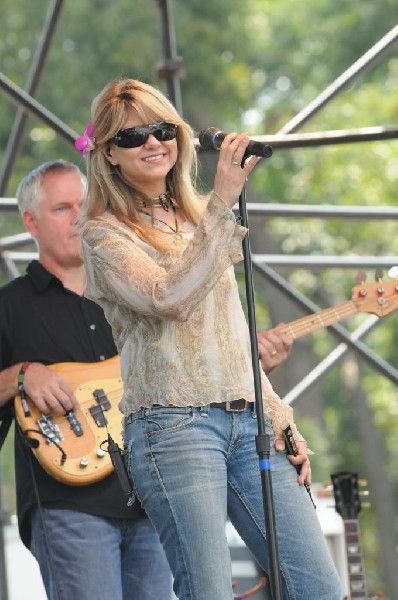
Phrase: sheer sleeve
x=123 y=269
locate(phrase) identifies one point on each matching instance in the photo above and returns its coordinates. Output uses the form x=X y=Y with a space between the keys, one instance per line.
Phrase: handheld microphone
x=211 y=139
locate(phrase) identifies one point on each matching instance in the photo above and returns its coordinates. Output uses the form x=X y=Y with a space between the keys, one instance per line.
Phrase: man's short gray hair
x=29 y=192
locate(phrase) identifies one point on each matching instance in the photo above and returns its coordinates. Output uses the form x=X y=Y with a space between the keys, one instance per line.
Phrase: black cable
x=47 y=437
x=40 y=509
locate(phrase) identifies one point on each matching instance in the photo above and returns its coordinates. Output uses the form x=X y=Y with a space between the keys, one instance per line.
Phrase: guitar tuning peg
x=365 y=505
x=393 y=273
x=361 y=277
x=363 y=493
x=378 y=274
x=362 y=482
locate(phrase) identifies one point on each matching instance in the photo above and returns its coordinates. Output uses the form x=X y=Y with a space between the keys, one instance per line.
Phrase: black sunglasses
x=133 y=137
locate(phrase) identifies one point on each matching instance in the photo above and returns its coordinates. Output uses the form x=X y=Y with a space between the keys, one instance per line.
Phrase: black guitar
x=348 y=505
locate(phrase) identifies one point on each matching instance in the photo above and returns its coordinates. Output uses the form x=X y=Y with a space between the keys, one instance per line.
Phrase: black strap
x=6 y=418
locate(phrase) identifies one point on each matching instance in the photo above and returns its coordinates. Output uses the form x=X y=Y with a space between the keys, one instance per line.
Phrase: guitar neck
x=318 y=320
x=356 y=571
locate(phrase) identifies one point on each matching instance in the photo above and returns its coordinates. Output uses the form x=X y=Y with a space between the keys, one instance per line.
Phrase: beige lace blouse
x=177 y=318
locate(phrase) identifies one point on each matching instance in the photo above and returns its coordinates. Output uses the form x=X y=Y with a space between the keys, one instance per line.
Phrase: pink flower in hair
x=85 y=142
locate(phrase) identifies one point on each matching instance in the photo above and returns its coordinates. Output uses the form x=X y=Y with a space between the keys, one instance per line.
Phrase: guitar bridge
x=97 y=411
x=50 y=430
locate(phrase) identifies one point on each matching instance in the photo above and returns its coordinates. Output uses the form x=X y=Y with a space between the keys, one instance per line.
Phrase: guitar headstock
x=379 y=298
x=347 y=494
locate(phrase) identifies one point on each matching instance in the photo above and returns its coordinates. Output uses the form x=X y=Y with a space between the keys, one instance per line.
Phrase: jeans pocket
x=168 y=420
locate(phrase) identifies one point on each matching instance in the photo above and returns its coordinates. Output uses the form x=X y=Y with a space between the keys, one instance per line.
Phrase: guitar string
x=315 y=320
x=337 y=313
x=345 y=309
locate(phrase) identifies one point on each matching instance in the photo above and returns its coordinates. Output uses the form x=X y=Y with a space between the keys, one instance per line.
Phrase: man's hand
x=49 y=390
x=273 y=348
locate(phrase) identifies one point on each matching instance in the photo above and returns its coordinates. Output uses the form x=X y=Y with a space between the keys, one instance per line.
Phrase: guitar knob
x=393 y=272
x=84 y=463
x=100 y=453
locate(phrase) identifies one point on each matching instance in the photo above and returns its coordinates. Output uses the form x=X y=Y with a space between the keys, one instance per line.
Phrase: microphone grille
x=207 y=137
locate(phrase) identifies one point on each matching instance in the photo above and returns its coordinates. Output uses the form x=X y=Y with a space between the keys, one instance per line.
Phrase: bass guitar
x=379 y=298
x=70 y=447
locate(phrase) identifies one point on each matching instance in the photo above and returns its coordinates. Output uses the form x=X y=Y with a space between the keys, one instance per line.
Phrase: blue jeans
x=193 y=466
x=96 y=557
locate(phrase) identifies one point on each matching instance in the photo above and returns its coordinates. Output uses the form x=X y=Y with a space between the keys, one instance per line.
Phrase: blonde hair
x=107 y=189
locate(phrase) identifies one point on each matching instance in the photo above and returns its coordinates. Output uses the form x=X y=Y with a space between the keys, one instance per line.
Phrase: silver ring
x=235 y=162
x=274 y=352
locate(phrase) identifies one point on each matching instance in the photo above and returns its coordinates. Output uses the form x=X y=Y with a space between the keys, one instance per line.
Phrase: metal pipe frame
x=170 y=69
x=36 y=70
x=337 y=330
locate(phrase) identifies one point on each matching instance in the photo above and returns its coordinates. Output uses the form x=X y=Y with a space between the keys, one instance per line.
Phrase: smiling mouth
x=153 y=158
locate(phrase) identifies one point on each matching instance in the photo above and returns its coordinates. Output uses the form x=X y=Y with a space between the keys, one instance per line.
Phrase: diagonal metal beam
x=329 y=361
x=365 y=62
x=16 y=136
x=22 y=98
x=340 y=332
x=8 y=266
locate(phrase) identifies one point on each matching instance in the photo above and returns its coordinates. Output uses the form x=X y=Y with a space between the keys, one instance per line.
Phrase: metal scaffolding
x=17 y=250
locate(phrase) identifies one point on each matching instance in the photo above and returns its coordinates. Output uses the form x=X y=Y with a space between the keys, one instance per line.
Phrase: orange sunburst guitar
x=70 y=446
x=379 y=298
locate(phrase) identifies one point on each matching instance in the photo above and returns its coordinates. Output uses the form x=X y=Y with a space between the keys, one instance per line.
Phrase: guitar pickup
x=97 y=411
x=50 y=430
x=74 y=423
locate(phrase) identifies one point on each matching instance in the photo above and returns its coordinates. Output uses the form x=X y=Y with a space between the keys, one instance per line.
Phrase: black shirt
x=41 y=321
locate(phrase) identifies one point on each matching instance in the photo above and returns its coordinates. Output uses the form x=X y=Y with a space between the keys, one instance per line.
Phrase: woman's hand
x=230 y=177
x=301 y=458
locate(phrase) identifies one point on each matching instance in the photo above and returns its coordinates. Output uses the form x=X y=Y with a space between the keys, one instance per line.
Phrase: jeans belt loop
x=204 y=410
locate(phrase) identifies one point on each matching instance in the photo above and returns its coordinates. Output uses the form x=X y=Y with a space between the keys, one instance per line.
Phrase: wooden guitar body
x=98 y=388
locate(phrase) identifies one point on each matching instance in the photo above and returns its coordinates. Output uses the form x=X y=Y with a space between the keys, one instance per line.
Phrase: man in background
x=88 y=543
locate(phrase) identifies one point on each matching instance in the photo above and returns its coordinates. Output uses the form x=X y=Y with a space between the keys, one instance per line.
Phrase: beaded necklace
x=164 y=201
